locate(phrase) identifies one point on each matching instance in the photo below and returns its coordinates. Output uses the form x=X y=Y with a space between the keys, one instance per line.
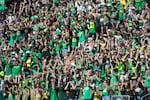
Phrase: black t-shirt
x=73 y=94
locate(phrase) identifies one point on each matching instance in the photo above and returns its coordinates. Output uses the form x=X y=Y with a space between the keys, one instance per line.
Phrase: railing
x=146 y=97
x=121 y=97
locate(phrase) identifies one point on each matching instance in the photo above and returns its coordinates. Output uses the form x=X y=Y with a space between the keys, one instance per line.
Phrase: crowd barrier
x=127 y=97
x=121 y=97
x=146 y=97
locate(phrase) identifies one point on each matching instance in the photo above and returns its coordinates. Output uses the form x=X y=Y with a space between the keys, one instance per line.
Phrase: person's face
x=142 y=59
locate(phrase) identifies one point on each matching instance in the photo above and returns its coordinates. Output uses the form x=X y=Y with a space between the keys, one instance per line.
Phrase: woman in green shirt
x=81 y=36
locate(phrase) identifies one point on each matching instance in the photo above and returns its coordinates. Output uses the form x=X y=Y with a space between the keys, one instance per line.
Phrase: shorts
x=8 y=77
x=64 y=52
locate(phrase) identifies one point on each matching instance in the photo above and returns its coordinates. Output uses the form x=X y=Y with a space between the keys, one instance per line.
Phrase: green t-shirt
x=35 y=59
x=36 y=27
x=72 y=10
x=53 y=95
x=4 y=60
x=58 y=31
x=18 y=36
x=113 y=79
x=86 y=92
x=64 y=45
x=120 y=67
x=137 y=0
x=16 y=70
x=10 y=96
x=52 y=51
x=34 y=17
x=118 y=5
x=147 y=82
x=74 y=42
x=130 y=23
x=1 y=95
x=2 y=5
x=82 y=24
x=142 y=67
x=11 y=40
x=97 y=82
x=73 y=23
x=104 y=92
x=7 y=70
x=121 y=14
x=142 y=3
x=101 y=87
x=81 y=36
x=1 y=67
x=39 y=54
x=34 y=71
x=133 y=45
x=103 y=71
x=79 y=63
x=130 y=65
x=57 y=48
x=91 y=27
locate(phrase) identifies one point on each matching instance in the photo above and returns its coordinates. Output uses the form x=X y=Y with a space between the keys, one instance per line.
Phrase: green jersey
x=86 y=92
x=113 y=80
x=57 y=48
x=16 y=70
x=2 y=5
x=10 y=96
x=74 y=42
x=11 y=40
x=92 y=27
x=53 y=95
x=81 y=36
x=121 y=14
x=7 y=70
x=147 y=82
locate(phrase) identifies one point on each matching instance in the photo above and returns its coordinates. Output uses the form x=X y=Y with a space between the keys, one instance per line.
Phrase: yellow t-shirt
x=45 y=95
x=28 y=62
x=38 y=96
x=91 y=24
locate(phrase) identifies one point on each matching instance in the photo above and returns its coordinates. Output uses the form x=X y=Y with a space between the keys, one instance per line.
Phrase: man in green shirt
x=7 y=72
x=92 y=27
x=2 y=5
x=105 y=94
x=74 y=41
x=81 y=36
x=64 y=47
x=87 y=93
x=57 y=48
x=137 y=4
x=113 y=80
x=121 y=14
x=16 y=71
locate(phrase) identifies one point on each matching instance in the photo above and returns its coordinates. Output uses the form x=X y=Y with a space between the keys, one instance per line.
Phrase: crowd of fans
x=74 y=49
